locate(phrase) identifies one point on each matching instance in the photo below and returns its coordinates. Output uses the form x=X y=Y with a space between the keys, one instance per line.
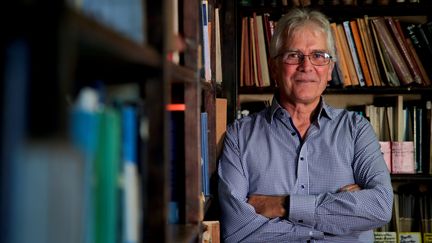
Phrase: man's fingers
x=350 y=188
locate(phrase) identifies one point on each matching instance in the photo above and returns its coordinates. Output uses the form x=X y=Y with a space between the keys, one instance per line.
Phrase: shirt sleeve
x=239 y=221
x=348 y=212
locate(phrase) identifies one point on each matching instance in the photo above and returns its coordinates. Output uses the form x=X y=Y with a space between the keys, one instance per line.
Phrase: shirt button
x=301 y=158
x=300 y=221
x=302 y=186
x=293 y=133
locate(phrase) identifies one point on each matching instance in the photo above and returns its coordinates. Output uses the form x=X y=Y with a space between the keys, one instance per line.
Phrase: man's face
x=303 y=83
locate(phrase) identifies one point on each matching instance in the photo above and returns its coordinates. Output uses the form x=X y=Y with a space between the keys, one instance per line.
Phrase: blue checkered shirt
x=264 y=154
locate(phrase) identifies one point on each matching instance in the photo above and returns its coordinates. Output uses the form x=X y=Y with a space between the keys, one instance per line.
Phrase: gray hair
x=294 y=19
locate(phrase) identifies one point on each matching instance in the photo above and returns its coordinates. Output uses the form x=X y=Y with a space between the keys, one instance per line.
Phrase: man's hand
x=350 y=188
x=268 y=206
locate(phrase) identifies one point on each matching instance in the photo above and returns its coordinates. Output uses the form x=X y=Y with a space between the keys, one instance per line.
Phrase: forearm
x=343 y=212
x=346 y=212
x=240 y=223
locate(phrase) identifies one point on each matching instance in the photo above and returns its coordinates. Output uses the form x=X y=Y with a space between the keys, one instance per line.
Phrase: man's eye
x=293 y=55
x=319 y=55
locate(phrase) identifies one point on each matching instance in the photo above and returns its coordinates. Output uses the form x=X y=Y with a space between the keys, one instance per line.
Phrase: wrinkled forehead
x=300 y=31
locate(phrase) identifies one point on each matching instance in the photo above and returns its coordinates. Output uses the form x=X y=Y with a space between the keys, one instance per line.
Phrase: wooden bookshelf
x=341 y=96
x=67 y=49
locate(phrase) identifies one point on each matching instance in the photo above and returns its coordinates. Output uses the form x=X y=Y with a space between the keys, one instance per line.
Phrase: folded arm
x=278 y=206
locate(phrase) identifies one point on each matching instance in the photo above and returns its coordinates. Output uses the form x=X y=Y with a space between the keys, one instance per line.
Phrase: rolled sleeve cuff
x=302 y=210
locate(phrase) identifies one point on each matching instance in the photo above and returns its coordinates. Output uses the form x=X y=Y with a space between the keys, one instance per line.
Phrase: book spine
x=342 y=68
x=257 y=46
x=373 y=49
x=353 y=51
x=131 y=207
x=262 y=52
x=218 y=48
x=205 y=37
x=361 y=52
x=394 y=54
x=347 y=55
x=253 y=56
x=204 y=154
x=420 y=47
x=400 y=41
x=370 y=58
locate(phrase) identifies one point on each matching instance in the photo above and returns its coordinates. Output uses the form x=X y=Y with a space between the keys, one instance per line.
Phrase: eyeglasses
x=316 y=58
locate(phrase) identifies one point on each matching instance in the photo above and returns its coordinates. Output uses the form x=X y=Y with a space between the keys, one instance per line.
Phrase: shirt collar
x=324 y=111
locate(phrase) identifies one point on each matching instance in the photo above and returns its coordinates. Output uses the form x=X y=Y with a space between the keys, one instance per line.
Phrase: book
x=395 y=116
x=221 y=123
x=400 y=41
x=107 y=166
x=418 y=138
x=267 y=31
x=341 y=66
x=245 y=64
x=211 y=231
x=411 y=51
x=361 y=52
x=427 y=237
x=265 y=75
x=253 y=53
x=205 y=39
x=131 y=178
x=47 y=204
x=395 y=213
x=425 y=215
x=391 y=78
x=390 y=47
x=218 y=49
x=423 y=50
x=370 y=57
x=173 y=28
x=402 y=157
x=407 y=207
x=416 y=57
x=353 y=51
x=372 y=113
x=347 y=55
x=204 y=155
x=84 y=128
x=428 y=126
x=385 y=237
x=376 y=75
x=386 y=151
x=409 y=237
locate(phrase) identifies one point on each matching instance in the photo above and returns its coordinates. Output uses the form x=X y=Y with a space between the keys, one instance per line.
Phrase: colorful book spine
x=204 y=154
x=106 y=177
x=205 y=38
x=131 y=195
x=354 y=56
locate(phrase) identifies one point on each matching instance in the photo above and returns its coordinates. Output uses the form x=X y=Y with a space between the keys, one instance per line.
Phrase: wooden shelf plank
x=103 y=40
x=181 y=74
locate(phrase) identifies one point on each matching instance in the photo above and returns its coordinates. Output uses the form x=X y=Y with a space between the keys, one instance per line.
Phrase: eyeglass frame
x=302 y=57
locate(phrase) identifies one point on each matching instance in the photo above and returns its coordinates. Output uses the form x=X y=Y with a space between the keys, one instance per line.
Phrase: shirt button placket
x=302 y=175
